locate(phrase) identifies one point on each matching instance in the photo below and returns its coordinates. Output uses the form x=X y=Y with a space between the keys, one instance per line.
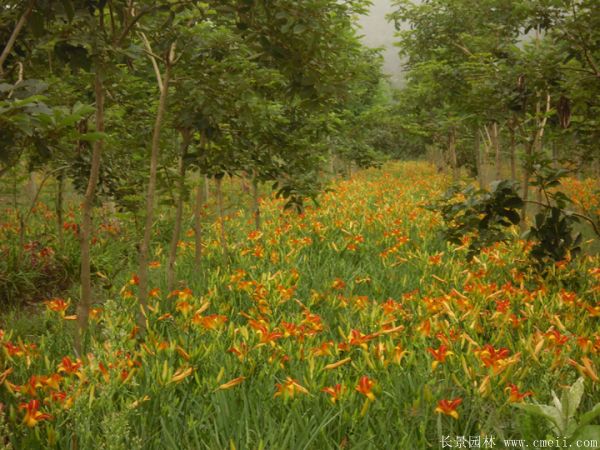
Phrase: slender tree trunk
x=331 y=164
x=535 y=147
x=484 y=159
x=453 y=157
x=13 y=37
x=15 y=197
x=219 y=194
x=145 y=245
x=554 y=155
x=498 y=156
x=198 y=207
x=206 y=188
x=513 y=153
x=60 y=186
x=478 y=162
x=255 y=203
x=31 y=186
x=186 y=136
x=244 y=183
x=525 y=194
x=199 y=204
x=85 y=302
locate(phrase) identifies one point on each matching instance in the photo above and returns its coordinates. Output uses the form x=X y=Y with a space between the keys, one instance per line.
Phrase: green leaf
x=546 y=411
x=571 y=398
x=590 y=415
x=92 y=136
x=588 y=434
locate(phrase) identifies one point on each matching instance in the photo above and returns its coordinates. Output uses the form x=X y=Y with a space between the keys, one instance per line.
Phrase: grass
x=363 y=280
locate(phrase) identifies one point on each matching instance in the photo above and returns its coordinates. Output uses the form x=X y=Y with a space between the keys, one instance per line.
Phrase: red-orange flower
x=334 y=392
x=289 y=388
x=70 y=367
x=439 y=355
x=32 y=413
x=448 y=407
x=365 y=386
x=515 y=396
x=57 y=305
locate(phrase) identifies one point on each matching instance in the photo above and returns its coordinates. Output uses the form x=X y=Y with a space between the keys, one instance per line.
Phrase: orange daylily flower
x=439 y=355
x=323 y=350
x=289 y=388
x=587 y=368
x=337 y=364
x=154 y=264
x=183 y=307
x=515 y=396
x=334 y=392
x=70 y=367
x=364 y=387
x=57 y=305
x=338 y=284
x=448 y=407
x=181 y=374
x=32 y=413
x=232 y=383
x=210 y=322
x=184 y=294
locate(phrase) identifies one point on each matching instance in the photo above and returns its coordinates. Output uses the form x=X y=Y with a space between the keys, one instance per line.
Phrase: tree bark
x=453 y=157
x=186 y=136
x=13 y=37
x=145 y=245
x=206 y=188
x=85 y=302
x=498 y=156
x=198 y=226
x=478 y=162
x=534 y=147
x=513 y=153
x=219 y=193
x=60 y=187
x=255 y=203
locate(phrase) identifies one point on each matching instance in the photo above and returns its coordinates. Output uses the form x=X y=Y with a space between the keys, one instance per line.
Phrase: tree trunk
x=186 y=136
x=331 y=164
x=513 y=153
x=535 y=147
x=478 y=162
x=31 y=186
x=13 y=37
x=453 y=157
x=525 y=194
x=85 y=302
x=484 y=159
x=145 y=245
x=498 y=156
x=199 y=204
x=255 y=202
x=60 y=187
x=219 y=193
x=206 y=188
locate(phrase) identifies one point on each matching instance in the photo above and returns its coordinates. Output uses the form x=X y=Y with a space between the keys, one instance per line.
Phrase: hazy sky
x=378 y=32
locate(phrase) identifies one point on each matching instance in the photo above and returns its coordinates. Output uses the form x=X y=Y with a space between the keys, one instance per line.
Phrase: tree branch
x=15 y=33
x=581 y=216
